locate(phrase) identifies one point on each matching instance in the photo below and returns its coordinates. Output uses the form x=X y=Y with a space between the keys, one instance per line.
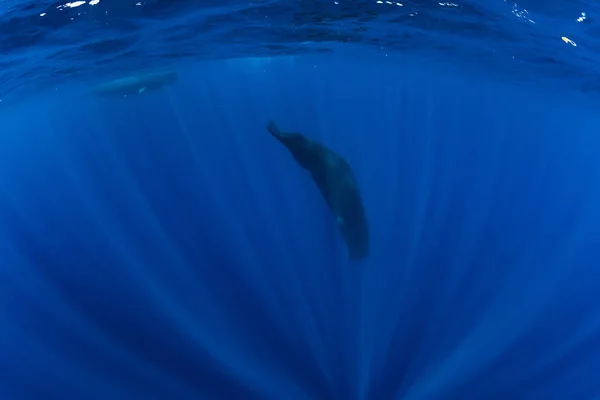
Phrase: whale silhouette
x=135 y=84
x=336 y=182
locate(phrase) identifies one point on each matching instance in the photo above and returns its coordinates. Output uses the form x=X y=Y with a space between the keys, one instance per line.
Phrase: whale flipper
x=336 y=182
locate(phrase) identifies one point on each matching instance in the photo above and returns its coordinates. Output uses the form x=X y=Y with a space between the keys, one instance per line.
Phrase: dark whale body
x=335 y=179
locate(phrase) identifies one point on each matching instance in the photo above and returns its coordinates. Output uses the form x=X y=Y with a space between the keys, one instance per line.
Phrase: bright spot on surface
x=569 y=41
x=582 y=18
x=94 y=2
x=521 y=13
x=42 y=14
x=74 y=4
x=388 y=2
x=448 y=4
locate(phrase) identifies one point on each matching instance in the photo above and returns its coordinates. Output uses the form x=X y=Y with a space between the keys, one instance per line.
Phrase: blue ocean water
x=162 y=245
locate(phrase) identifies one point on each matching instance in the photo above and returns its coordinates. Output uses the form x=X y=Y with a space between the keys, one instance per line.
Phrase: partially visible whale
x=135 y=84
x=335 y=179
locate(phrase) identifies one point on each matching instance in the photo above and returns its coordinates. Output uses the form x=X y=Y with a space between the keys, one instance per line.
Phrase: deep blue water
x=165 y=246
